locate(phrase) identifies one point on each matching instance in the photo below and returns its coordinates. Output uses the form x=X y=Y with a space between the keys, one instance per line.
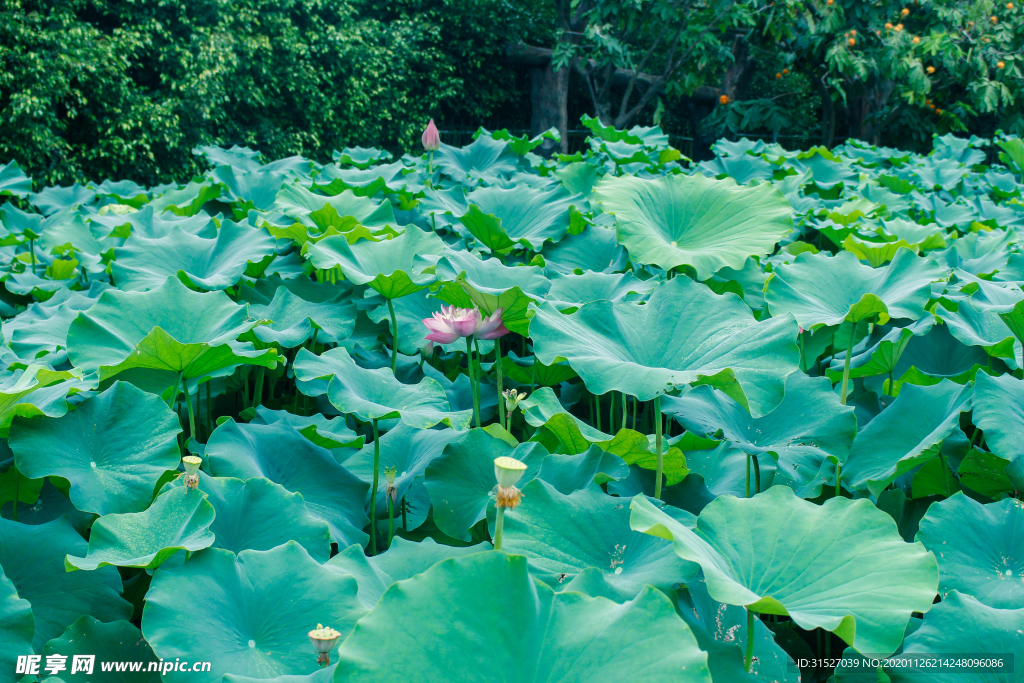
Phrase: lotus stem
x=209 y=412
x=498 y=371
x=803 y=359
x=245 y=388
x=17 y=486
x=499 y=525
x=191 y=413
x=611 y=413
x=430 y=169
x=657 y=446
x=405 y=524
x=472 y=381
x=394 y=337
x=174 y=389
x=748 y=658
x=623 y=400
x=757 y=474
x=635 y=402
x=391 y=520
x=373 y=492
x=846 y=365
x=257 y=393
x=597 y=411
x=746 y=490
x=839 y=478
x=32 y=251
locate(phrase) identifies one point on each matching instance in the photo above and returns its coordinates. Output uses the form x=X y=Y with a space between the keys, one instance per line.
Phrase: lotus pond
x=486 y=416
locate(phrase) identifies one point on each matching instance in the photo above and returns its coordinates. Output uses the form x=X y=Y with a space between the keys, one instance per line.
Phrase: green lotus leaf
x=294 y=319
x=574 y=472
x=282 y=455
x=189 y=199
x=165 y=331
x=247 y=614
x=296 y=201
x=13 y=181
x=177 y=520
x=403 y=560
x=502 y=219
x=36 y=391
x=574 y=436
x=32 y=557
x=962 y=626
x=257 y=514
x=569 y=292
x=110 y=644
x=113 y=449
x=882 y=358
x=754 y=553
x=935 y=356
x=49 y=504
x=438 y=626
x=17 y=625
x=720 y=630
x=41 y=330
x=742 y=168
x=562 y=535
x=485 y=159
x=999 y=411
x=906 y=434
x=528 y=370
x=409 y=312
x=985 y=473
x=596 y=249
x=683 y=334
x=376 y=394
x=977 y=326
x=694 y=220
x=979 y=549
x=209 y=264
x=324 y=432
x=360 y=157
x=392 y=267
x=52 y=200
x=806 y=431
x=254 y=189
x=409 y=450
x=461 y=481
x=826 y=290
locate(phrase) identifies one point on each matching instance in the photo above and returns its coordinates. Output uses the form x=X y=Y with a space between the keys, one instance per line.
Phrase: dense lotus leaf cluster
x=765 y=408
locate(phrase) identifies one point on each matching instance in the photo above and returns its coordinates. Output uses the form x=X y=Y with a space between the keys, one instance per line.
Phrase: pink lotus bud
x=431 y=138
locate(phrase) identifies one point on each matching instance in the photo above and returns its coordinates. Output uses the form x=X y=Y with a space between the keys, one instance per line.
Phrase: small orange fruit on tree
x=899 y=27
x=904 y=12
x=724 y=99
x=1000 y=64
x=916 y=40
x=930 y=69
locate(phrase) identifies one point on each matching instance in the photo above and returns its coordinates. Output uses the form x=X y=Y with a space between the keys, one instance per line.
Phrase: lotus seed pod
x=508 y=471
x=323 y=640
x=192 y=463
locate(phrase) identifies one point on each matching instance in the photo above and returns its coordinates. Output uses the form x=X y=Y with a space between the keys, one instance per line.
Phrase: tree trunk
x=737 y=77
x=549 y=97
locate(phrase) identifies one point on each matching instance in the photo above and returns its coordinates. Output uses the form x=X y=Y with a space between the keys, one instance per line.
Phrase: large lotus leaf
x=113 y=449
x=377 y=394
x=209 y=264
x=977 y=326
x=402 y=560
x=254 y=189
x=999 y=411
x=980 y=548
x=562 y=535
x=392 y=267
x=906 y=434
x=52 y=200
x=177 y=520
x=501 y=219
x=936 y=355
x=293 y=320
x=257 y=514
x=484 y=159
x=409 y=450
x=569 y=292
x=960 y=626
x=36 y=391
x=461 y=481
x=806 y=430
x=684 y=333
x=17 y=625
x=572 y=472
x=694 y=220
x=841 y=566
x=440 y=625
x=41 y=330
x=826 y=169
x=574 y=436
x=721 y=631
x=282 y=455
x=596 y=249
x=298 y=202
x=323 y=431
x=32 y=557
x=247 y=614
x=13 y=181
x=169 y=330
x=742 y=168
x=110 y=644
x=826 y=290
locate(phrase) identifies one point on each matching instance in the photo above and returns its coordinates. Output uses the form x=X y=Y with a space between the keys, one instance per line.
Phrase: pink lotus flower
x=431 y=137
x=452 y=323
